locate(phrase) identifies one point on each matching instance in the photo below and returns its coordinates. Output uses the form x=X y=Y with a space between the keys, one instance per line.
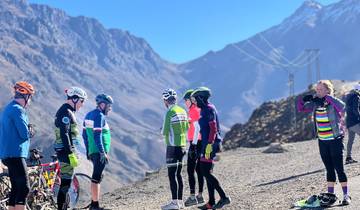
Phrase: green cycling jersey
x=175 y=126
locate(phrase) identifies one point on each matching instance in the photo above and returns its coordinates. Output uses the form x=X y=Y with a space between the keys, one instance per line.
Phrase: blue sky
x=183 y=30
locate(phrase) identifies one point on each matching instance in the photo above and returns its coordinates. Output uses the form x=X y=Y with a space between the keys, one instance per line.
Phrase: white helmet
x=168 y=93
x=76 y=92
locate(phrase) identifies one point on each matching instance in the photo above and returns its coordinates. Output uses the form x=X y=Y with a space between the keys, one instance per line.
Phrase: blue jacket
x=14 y=132
x=353 y=108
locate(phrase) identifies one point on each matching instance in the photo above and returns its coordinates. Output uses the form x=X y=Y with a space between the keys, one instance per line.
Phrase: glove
x=103 y=158
x=32 y=131
x=319 y=101
x=308 y=98
x=208 y=151
x=74 y=162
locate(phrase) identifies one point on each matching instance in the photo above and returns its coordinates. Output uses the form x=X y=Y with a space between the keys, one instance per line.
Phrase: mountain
x=249 y=72
x=54 y=51
x=271 y=122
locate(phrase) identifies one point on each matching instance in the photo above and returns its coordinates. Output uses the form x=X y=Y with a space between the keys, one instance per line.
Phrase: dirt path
x=253 y=179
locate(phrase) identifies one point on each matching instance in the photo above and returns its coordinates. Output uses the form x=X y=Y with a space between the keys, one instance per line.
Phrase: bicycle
x=45 y=184
x=44 y=179
x=5 y=188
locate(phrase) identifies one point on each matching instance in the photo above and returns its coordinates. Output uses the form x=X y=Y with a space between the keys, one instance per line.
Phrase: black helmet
x=103 y=98
x=327 y=199
x=187 y=94
x=203 y=92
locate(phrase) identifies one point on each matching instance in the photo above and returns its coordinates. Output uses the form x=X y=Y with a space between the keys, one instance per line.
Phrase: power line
x=275 y=49
x=314 y=56
x=290 y=63
x=264 y=54
x=307 y=57
x=253 y=57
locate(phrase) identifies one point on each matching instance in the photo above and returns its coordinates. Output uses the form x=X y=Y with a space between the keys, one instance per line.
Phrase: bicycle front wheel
x=80 y=191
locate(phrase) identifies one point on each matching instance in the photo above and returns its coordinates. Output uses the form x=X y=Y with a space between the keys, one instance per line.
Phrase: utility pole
x=309 y=72
x=310 y=60
x=317 y=51
x=291 y=83
x=292 y=96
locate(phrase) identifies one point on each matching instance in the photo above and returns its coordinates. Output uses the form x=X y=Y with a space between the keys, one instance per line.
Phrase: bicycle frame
x=45 y=179
x=54 y=172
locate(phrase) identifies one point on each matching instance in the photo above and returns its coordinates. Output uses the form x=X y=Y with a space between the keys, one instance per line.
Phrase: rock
x=275 y=148
x=149 y=173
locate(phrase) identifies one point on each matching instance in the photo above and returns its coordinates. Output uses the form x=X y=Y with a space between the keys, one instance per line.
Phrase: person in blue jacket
x=15 y=134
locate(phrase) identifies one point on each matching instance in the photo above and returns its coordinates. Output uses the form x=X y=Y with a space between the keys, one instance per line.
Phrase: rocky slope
x=271 y=122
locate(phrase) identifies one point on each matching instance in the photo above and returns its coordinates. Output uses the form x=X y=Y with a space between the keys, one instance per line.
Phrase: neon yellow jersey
x=175 y=126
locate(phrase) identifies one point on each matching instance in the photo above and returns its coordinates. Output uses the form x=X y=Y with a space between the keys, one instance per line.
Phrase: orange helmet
x=23 y=87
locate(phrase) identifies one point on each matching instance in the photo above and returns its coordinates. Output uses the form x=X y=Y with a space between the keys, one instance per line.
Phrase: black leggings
x=193 y=164
x=67 y=172
x=211 y=181
x=19 y=180
x=174 y=156
x=98 y=168
x=331 y=152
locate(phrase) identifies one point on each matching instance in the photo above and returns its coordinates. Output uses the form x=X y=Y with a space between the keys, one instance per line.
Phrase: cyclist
x=174 y=130
x=352 y=120
x=328 y=112
x=210 y=139
x=67 y=135
x=194 y=151
x=97 y=139
x=15 y=135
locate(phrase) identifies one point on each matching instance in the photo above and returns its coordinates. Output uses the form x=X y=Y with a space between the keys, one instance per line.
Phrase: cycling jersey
x=194 y=128
x=96 y=133
x=175 y=126
x=66 y=131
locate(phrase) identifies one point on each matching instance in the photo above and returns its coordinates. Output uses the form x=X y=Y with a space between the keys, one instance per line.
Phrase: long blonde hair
x=328 y=85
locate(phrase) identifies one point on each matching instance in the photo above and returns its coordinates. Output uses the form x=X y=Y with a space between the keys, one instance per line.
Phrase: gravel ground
x=253 y=179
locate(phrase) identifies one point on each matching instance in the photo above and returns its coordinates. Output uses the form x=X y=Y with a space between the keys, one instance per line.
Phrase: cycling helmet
x=327 y=199
x=103 y=98
x=202 y=92
x=168 y=94
x=76 y=92
x=24 y=88
x=188 y=93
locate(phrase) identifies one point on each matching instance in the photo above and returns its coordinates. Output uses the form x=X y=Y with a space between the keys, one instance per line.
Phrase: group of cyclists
x=16 y=132
x=201 y=127
x=329 y=115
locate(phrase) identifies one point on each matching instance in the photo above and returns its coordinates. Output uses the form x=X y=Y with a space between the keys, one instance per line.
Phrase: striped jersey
x=324 y=129
x=96 y=133
x=175 y=126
